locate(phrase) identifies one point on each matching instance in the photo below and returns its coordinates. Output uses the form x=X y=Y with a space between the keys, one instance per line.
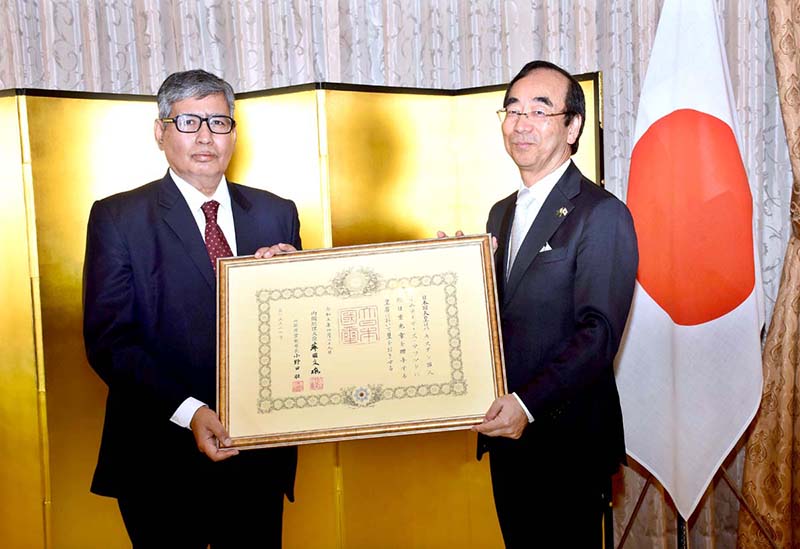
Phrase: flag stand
x=756 y=517
x=682 y=530
x=635 y=512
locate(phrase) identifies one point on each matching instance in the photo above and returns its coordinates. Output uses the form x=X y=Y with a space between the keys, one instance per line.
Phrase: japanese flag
x=689 y=370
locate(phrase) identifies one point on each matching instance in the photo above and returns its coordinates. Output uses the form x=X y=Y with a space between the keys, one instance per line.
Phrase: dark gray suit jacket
x=563 y=312
x=150 y=331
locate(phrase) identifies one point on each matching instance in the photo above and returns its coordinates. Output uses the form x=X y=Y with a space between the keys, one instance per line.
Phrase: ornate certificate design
x=358 y=342
x=360 y=325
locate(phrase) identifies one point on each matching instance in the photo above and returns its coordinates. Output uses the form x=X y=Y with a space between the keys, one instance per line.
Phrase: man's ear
x=574 y=128
x=158 y=132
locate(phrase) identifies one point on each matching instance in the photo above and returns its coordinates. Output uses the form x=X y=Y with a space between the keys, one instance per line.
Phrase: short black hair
x=574 y=103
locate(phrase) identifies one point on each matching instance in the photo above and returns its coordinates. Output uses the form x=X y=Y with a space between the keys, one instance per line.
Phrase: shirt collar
x=195 y=199
x=542 y=188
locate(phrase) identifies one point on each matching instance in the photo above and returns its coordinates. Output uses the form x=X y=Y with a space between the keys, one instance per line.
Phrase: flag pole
x=682 y=537
x=608 y=518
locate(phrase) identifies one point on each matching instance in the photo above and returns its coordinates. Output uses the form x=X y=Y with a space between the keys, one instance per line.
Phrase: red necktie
x=216 y=244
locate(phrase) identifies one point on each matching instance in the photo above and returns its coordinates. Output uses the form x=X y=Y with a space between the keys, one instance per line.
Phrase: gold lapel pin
x=562 y=212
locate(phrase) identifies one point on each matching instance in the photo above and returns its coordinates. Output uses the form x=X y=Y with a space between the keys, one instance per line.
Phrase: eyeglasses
x=536 y=114
x=191 y=123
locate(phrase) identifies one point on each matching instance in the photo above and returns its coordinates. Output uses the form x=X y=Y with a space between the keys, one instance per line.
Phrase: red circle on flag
x=692 y=209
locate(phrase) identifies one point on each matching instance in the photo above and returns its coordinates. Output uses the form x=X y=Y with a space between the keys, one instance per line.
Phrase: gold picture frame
x=358 y=342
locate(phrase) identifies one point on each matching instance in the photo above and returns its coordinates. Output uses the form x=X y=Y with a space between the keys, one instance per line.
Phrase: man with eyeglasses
x=150 y=334
x=566 y=262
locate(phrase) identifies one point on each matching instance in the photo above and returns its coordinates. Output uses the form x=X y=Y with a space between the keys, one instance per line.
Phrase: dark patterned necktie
x=216 y=244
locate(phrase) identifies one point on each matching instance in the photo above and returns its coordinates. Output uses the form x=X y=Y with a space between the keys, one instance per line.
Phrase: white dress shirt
x=529 y=202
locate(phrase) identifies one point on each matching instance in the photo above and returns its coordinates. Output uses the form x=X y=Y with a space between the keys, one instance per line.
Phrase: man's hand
x=207 y=431
x=269 y=251
x=442 y=234
x=505 y=418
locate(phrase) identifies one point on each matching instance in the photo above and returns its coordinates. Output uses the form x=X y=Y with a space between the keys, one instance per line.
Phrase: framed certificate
x=358 y=342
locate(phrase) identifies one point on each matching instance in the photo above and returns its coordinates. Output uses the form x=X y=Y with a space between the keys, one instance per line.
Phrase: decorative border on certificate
x=360 y=323
x=358 y=342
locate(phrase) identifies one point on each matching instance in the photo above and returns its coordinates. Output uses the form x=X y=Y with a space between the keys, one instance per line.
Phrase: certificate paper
x=358 y=342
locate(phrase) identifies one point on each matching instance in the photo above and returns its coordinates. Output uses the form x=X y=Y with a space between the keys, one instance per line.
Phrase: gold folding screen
x=24 y=496
x=363 y=165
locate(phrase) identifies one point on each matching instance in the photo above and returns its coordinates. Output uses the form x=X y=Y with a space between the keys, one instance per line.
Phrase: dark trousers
x=222 y=505
x=183 y=523
x=546 y=507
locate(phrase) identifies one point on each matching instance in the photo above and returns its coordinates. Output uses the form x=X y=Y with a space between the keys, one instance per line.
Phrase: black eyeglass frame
x=175 y=119
x=503 y=114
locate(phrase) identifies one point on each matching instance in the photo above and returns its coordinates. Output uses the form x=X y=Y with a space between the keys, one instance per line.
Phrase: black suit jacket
x=563 y=312
x=150 y=331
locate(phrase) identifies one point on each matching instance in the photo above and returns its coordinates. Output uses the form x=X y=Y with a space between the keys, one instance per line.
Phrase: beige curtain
x=771 y=470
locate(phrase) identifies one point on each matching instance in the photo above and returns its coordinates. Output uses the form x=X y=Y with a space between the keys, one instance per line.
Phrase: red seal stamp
x=358 y=325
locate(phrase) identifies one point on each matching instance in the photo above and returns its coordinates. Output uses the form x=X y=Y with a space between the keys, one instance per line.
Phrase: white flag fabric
x=689 y=369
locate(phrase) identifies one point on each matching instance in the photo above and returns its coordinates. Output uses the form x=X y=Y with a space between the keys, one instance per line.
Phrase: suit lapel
x=245 y=223
x=503 y=238
x=552 y=213
x=176 y=214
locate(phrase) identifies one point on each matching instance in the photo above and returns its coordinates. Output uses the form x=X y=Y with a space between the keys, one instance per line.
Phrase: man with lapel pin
x=150 y=334
x=566 y=262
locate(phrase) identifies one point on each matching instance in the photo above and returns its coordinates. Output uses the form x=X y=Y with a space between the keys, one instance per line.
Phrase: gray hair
x=191 y=84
